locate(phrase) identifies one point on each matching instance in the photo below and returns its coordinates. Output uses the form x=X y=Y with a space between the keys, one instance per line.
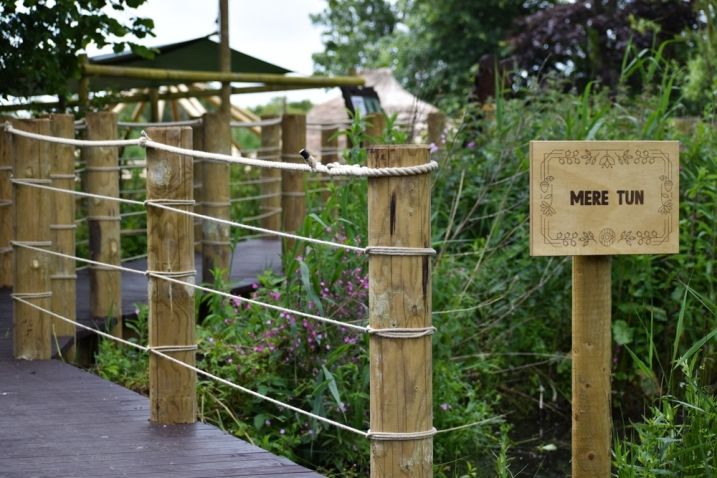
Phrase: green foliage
x=124 y=365
x=432 y=47
x=41 y=39
x=276 y=107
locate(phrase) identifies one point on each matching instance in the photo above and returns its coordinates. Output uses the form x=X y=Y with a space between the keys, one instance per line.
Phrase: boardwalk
x=57 y=420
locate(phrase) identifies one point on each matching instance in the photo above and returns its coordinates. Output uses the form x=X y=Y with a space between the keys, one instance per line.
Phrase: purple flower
x=445 y=406
x=434 y=148
x=211 y=339
x=311 y=432
x=255 y=286
x=472 y=144
x=282 y=431
x=267 y=422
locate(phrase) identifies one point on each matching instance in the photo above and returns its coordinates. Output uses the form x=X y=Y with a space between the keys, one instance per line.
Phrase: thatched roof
x=394 y=99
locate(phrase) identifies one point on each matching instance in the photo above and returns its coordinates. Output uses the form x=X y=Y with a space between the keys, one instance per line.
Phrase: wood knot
x=591 y=456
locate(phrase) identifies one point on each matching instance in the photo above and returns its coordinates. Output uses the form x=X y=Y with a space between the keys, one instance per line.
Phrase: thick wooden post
x=83 y=87
x=329 y=154
x=399 y=211
x=436 y=126
x=198 y=145
x=62 y=230
x=377 y=123
x=104 y=221
x=215 y=196
x=154 y=105
x=31 y=225
x=170 y=249
x=592 y=303
x=293 y=187
x=225 y=54
x=270 y=150
x=5 y=208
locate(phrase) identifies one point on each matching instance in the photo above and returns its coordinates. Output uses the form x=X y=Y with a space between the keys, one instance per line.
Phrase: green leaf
x=306 y=280
x=621 y=332
x=332 y=387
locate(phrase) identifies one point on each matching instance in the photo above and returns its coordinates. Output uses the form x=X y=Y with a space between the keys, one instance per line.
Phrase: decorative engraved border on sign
x=605 y=159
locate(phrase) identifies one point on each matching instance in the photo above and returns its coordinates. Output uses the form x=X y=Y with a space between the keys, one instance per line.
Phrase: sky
x=277 y=31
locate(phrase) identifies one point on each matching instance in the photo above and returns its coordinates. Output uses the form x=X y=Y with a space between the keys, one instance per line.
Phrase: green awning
x=200 y=54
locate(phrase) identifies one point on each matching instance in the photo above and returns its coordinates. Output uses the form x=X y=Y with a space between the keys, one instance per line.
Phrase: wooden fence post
x=103 y=218
x=329 y=154
x=170 y=249
x=62 y=230
x=436 y=126
x=198 y=169
x=5 y=208
x=270 y=150
x=31 y=225
x=377 y=125
x=215 y=196
x=399 y=211
x=293 y=186
x=592 y=304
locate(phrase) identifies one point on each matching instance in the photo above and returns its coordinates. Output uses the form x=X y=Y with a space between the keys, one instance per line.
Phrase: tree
x=587 y=39
x=432 y=46
x=40 y=40
x=355 y=35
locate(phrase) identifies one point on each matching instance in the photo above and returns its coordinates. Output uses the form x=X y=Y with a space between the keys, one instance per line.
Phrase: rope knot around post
x=395 y=436
x=143 y=138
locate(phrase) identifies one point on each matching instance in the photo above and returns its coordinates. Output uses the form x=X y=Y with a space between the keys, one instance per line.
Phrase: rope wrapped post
x=400 y=298
x=104 y=221
x=170 y=249
x=62 y=230
x=376 y=123
x=215 y=196
x=198 y=169
x=293 y=187
x=31 y=226
x=592 y=316
x=5 y=208
x=329 y=154
x=271 y=187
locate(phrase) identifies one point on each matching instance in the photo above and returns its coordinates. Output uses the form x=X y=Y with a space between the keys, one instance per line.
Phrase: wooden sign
x=604 y=197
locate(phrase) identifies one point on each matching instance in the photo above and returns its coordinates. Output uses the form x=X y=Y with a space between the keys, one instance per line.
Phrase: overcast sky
x=277 y=31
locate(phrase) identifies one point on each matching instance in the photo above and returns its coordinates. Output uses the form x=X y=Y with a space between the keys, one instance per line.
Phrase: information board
x=604 y=197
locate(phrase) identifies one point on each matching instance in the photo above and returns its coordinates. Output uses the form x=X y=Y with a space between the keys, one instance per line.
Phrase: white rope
x=273 y=211
x=254 y=198
x=256 y=181
x=402 y=333
x=268 y=122
x=31 y=295
x=128 y=124
x=172 y=348
x=25 y=182
x=167 y=277
x=73 y=142
x=265 y=231
x=156 y=350
x=334 y=169
x=395 y=436
x=399 y=251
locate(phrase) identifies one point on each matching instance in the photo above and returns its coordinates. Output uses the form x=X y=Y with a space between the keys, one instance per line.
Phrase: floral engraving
x=627 y=237
x=587 y=237
x=646 y=237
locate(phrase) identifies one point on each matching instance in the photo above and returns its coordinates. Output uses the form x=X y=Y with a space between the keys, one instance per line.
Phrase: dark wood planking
x=57 y=420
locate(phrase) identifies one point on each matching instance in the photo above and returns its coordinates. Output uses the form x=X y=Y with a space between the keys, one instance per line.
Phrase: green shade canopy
x=200 y=54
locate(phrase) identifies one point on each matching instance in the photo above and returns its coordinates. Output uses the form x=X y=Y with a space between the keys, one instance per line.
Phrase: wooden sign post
x=591 y=200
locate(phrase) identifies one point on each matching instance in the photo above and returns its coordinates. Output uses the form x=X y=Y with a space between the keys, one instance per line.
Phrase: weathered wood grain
x=271 y=148
x=293 y=199
x=592 y=304
x=400 y=297
x=31 y=224
x=104 y=219
x=170 y=249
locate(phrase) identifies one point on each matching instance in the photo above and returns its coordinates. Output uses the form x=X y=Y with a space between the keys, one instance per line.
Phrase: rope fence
x=175 y=156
